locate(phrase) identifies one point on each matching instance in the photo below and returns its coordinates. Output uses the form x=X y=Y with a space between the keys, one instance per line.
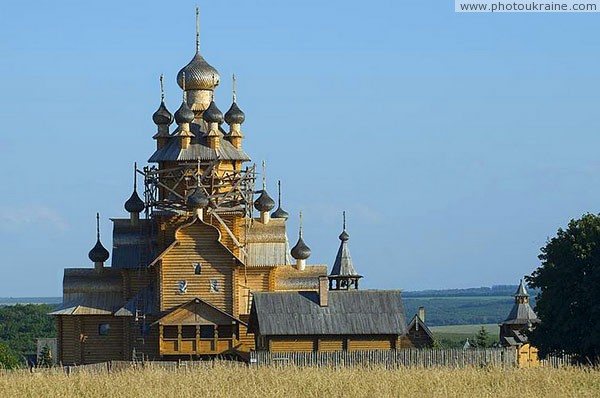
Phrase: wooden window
x=214 y=286
x=197 y=268
x=103 y=329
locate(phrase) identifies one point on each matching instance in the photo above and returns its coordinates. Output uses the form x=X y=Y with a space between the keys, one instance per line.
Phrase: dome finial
x=233 y=88
x=98 y=226
x=264 y=177
x=162 y=89
x=197 y=29
x=134 y=176
x=279 y=213
x=279 y=193
x=300 y=230
x=344 y=236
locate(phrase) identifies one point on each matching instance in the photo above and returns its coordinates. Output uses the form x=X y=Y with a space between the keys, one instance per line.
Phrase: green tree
x=21 y=325
x=8 y=359
x=482 y=338
x=568 y=304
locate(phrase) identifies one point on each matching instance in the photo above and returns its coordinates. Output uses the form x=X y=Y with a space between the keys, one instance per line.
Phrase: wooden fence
x=426 y=358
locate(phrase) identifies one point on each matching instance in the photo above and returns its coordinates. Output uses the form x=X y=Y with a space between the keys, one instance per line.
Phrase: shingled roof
x=360 y=312
x=199 y=149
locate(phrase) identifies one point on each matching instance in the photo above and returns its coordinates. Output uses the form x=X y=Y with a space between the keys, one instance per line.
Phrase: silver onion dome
x=134 y=204
x=197 y=199
x=264 y=202
x=199 y=75
x=213 y=114
x=301 y=251
x=280 y=213
x=234 y=115
x=162 y=116
x=98 y=254
x=344 y=236
x=184 y=114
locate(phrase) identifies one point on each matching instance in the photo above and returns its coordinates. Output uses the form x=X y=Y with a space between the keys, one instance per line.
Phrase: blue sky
x=457 y=143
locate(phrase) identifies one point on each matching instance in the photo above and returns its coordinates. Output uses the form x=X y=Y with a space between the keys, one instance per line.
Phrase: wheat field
x=236 y=380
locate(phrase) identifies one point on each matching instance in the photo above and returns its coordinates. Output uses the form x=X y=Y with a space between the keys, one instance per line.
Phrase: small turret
x=300 y=251
x=213 y=117
x=183 y=117
x=279 y=213
x=98 y=254
x=343 y=275
x=264 y=204
x=234 y=118
x=134 y=205
x=163 y=119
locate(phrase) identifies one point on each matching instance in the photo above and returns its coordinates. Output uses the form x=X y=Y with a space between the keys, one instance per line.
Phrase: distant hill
x=30 y=300
x=496 y=290
x=477 y=305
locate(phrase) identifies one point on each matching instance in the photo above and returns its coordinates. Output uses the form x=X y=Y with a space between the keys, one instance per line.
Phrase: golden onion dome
x=199 y=75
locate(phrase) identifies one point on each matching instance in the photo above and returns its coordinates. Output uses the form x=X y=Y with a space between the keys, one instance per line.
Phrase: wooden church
x=202 y=265
x=513 y=329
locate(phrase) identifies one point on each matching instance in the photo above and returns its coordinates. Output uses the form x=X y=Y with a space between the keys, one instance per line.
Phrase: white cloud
x=32 y=214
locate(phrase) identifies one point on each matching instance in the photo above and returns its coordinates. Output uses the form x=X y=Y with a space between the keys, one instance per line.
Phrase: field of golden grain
x=235 y=380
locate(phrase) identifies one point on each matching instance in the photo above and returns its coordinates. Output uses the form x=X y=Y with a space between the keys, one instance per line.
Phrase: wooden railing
x=199 y=346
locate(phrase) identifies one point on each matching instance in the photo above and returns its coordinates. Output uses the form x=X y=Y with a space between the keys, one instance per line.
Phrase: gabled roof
x=197 y=312
x=193 y=221
x=359 y=312
x=417 y=324
x=198 y=149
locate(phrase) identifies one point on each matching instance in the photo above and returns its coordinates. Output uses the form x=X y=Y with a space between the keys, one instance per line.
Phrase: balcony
x=197 y=339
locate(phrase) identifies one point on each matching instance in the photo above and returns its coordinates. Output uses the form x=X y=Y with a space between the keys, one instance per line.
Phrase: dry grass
x=234 y=380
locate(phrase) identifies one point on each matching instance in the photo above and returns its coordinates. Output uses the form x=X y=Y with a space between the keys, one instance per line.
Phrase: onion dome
x=234 y=115
x=134 y=204
x=212 y=114
x=301 y=251
x=264 y=202
x=197 y=199
x=198 y=75
x=162 y=116
x=279 y=213
x=98 y=254
x=344 y=236
x=184 y=114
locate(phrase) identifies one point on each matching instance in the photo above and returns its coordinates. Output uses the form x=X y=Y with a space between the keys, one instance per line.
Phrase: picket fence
x=452 y=358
